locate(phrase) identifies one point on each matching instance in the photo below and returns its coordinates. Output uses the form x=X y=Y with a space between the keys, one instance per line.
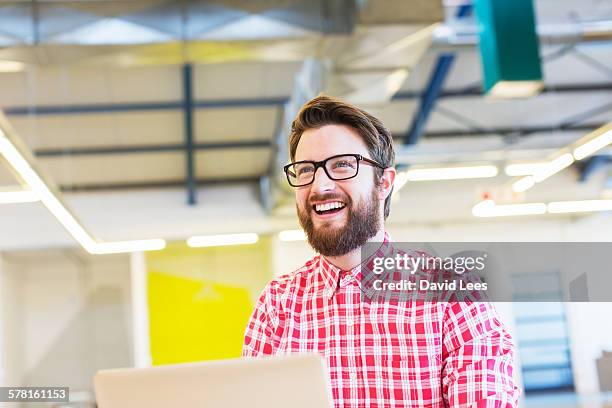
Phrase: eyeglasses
x=339 y=167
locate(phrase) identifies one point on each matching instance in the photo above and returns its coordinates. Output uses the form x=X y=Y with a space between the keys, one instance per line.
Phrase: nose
x=322 y=182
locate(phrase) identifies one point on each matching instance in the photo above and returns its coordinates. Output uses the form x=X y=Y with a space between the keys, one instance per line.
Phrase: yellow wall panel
x=200 y=300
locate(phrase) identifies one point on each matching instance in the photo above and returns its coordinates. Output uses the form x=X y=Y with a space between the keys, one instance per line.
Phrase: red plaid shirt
x=385 y=354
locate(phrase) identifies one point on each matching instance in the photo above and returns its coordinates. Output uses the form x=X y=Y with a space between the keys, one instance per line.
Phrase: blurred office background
x=132 y=126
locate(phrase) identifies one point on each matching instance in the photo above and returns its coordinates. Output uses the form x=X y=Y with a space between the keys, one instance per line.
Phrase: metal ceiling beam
x=145 y=106
x=476 y=91
x=90 y=108
x=73 y=188
x=190 y=182
x=242 y=103
x=272 y=102
x=174 y=147
x=433 y=89
x=429 y=98
x=509 y=131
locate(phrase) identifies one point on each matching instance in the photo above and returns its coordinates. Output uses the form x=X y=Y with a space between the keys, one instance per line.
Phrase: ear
x=386 y=183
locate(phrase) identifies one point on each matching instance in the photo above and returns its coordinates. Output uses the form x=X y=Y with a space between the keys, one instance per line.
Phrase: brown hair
x=325 y=110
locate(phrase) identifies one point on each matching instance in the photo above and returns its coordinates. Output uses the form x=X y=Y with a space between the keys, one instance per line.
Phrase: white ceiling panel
x=438 y=121
x=390 y=11
x=248 y=80
x=396 y=116
x=31 y=226
x=232 y=163
x=572 y=10
x=546 y=109
x=145 y=84
x=119 y=169
x=7 y=179
x=100 y=129
x=591 y=64
x=216 y=125
x=418 y=77
x=465 y=71
x=73 y=84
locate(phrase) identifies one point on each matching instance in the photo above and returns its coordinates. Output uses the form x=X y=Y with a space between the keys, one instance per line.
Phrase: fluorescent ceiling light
x=594 y=142
x=553 y=167
x=292 y=235
x=542 y=172
x=559 y=207
x=451 y=173
x=395 y=81
x=38 y=187
x=516 y=89
x=585 y=147
x=222 y=240
x=523 y=184
x=488 y=208
x=128 y=246
x=17 y=197
x=523 y=169
x=482 y=206
x=11 y=66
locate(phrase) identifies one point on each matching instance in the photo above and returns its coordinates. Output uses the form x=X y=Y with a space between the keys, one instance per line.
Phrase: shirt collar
x=329 y=273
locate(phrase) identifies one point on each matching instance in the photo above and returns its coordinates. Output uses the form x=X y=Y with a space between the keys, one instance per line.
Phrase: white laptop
x=270 y=382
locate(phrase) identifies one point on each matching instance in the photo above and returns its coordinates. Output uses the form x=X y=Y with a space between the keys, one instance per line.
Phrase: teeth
x=328 y=206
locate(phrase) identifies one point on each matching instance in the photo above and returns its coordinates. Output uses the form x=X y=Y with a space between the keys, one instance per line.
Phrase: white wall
x=590 y=328
x=289 y=256
x=64 y=316
x=141 y=342
x=10 y=327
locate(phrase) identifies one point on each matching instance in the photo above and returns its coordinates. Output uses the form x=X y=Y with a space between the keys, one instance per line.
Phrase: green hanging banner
x=509 y=48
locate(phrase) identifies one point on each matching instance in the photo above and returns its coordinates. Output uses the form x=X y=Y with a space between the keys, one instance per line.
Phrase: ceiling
x=107 y=121
x=70 y=145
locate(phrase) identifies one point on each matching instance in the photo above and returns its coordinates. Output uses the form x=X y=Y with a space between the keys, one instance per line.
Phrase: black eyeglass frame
x=322 y=163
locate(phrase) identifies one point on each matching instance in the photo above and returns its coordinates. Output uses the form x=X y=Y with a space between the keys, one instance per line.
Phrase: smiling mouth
x=328 y=208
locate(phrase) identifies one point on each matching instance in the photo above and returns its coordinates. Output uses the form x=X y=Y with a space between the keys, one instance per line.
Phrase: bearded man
x=396 y=353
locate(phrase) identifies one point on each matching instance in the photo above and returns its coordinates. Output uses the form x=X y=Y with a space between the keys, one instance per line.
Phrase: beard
x=362 y=223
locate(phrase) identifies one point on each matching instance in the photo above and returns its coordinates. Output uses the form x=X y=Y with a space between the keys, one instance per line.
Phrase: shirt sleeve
x=261 y=337
x=478 y=358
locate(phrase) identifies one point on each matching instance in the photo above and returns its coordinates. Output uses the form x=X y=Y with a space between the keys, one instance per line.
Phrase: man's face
x=340 y=230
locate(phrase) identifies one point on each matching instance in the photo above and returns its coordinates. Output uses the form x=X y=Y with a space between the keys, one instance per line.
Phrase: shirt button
x=349 y=322
x=353 y=375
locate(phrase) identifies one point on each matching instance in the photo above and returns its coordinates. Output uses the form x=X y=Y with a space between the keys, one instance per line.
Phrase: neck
x=352 y=259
